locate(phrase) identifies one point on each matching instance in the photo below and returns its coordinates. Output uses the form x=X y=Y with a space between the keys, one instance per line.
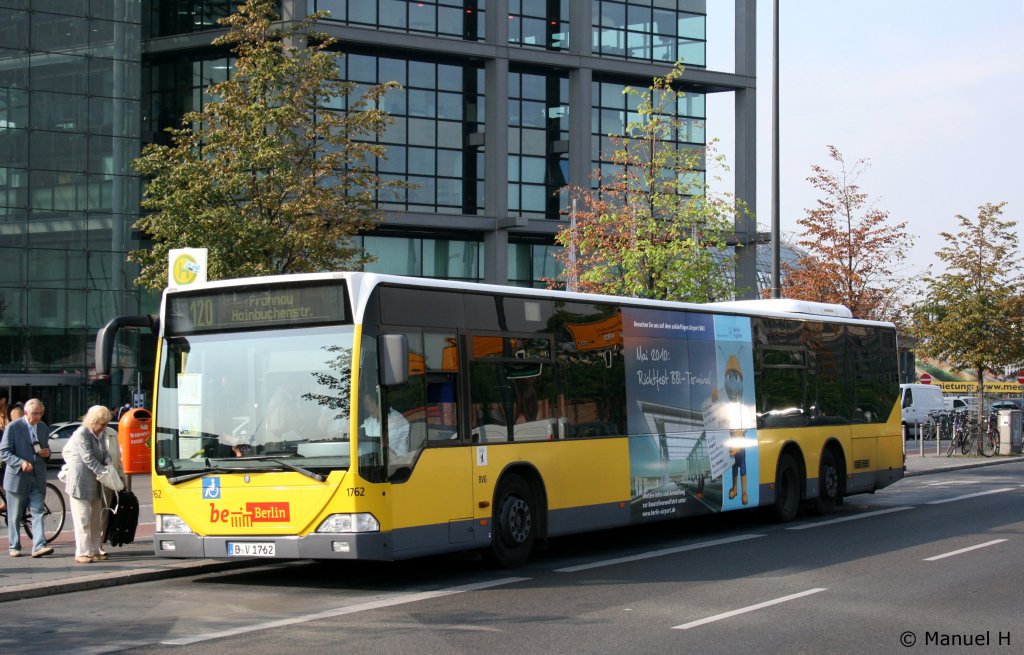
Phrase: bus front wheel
x=787 y=489
x=514 y=528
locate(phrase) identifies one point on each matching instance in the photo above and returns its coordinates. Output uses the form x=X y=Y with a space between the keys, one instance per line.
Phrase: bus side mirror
x=393 y=354
x=107 y=334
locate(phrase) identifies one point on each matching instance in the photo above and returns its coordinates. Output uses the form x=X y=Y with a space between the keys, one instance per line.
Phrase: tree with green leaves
x=269 y=176
x=972 y=315
x=649 y=227
x=853 y=254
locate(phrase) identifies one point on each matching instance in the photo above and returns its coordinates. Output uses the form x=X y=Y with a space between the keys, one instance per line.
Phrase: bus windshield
x=260 y=401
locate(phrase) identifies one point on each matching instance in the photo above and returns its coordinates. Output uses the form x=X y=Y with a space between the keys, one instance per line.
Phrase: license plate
x=251 y=549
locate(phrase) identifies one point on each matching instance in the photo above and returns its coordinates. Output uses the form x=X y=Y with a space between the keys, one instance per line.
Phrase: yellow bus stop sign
x=186 y=266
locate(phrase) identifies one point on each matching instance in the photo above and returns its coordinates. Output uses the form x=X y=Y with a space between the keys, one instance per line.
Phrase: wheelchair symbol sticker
x=211 y=488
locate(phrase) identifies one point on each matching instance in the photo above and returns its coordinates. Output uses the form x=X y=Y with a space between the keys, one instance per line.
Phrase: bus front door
x=432 y=510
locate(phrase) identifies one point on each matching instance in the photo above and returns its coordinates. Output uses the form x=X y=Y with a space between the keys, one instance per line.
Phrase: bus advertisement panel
x=692 y=424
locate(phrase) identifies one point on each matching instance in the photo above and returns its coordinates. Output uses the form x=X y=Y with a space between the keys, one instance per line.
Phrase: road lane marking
x=657 y=553
x=844 y=519
x=965 y=550
x=965 y=497
x=744 y=610
x=341 y=611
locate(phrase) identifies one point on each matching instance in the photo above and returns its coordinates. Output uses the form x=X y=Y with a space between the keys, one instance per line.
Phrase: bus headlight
x=349 y=523
x=172 y=523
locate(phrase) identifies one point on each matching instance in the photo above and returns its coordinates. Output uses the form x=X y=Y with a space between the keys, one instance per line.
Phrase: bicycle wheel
x=54 y=513
x=953 y=445
x=970 y=442
x=989 y=444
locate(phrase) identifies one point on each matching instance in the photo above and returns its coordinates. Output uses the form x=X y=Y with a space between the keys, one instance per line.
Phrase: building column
x=496 y=169
x=293 y=10
x=580 y=167
x=746 y=149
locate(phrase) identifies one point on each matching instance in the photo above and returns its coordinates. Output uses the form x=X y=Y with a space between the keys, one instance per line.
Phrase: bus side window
x=441 y=358
x=407 y=406
x=442 y=416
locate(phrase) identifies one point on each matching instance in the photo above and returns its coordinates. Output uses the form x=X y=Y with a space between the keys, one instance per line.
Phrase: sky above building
x=931 y=92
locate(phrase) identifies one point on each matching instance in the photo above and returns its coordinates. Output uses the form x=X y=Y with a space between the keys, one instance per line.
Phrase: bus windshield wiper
x=291 y=467
x=185 y=477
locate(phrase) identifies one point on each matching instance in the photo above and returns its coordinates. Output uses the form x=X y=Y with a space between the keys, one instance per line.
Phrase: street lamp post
x=776 y=246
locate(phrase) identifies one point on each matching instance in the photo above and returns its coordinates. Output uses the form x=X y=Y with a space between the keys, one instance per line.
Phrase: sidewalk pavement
x=32 y=577
x=28 y=577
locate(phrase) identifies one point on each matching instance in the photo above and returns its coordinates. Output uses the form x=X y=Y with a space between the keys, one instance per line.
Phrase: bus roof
x=360 y=284
x=790 y=306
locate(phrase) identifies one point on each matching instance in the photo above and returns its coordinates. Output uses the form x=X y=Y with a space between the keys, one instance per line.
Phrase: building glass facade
x=429 y=145
x=70 y=106
x=459 y=19
x=503 y=103
x=538 y=143
x=171 y=17
x=539 y=23
x=650 y=30
x=613 y=111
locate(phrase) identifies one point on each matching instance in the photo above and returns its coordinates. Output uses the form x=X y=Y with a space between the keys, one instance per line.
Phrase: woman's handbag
x=110 y=479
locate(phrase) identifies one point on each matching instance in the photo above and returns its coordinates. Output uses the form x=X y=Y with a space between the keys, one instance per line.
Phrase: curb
x=115 y=579
x=967 y=465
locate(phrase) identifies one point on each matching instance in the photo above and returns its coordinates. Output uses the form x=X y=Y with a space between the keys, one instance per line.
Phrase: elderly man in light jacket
x=86 y=456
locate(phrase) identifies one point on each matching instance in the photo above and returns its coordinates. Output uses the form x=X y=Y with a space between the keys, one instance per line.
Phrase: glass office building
x=504 y=102
x=70 y=109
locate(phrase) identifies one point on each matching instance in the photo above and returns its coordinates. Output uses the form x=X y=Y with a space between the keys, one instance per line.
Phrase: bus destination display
x=253 y=307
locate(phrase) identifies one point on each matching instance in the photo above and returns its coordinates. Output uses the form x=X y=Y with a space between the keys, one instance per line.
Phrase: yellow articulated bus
x=363 y=416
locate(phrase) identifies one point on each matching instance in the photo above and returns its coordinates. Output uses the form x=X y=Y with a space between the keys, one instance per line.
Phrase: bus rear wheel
x=829 y=493
x=514 y=528
x=787 y=489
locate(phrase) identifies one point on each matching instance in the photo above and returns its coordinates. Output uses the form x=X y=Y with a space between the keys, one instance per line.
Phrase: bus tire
x=787 y=489
x=829 y=485
x=514 y=525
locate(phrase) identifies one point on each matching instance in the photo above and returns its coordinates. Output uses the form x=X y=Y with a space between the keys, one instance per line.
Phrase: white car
x=60 y=434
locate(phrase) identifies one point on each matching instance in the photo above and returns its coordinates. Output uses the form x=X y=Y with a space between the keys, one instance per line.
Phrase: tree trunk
x=982 y=417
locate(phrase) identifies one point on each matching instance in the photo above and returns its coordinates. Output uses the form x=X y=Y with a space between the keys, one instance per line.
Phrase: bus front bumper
x=367 y=546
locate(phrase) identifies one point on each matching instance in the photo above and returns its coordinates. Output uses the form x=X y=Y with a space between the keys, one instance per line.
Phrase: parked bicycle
x=990 y=438
x=54 y=513
x=960 y=434
x=981 y=439
x=940 y=425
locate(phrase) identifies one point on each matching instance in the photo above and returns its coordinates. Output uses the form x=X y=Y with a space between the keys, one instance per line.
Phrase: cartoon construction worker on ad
x=729 y=415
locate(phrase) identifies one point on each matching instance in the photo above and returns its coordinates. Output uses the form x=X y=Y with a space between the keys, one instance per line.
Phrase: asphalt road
x=932 y=564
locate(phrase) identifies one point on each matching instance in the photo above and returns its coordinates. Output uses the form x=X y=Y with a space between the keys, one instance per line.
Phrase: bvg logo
x=185 y=269
x=252 y=513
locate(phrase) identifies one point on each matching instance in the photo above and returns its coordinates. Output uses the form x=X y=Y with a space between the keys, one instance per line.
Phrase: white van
x=962 y=404
x=917 y=400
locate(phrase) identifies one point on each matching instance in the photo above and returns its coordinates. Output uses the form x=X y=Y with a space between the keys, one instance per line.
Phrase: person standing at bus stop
x=4 y=420
x=87 y=456
x=25 y=449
